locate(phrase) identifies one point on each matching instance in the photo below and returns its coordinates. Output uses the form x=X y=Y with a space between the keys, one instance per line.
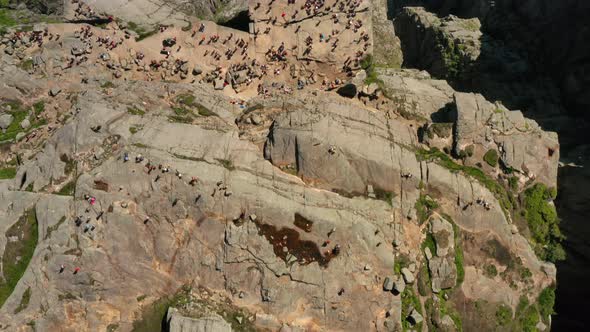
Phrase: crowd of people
x=220 y=53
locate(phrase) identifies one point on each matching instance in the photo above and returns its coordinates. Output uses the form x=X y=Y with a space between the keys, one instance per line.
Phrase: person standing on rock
x=76 y=270
x=61 y=268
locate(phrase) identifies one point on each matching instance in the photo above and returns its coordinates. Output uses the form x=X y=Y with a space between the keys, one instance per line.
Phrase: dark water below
x=573 y=286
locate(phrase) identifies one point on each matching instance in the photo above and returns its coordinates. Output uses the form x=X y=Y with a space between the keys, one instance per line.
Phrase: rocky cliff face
x=528 y=30
x=135 y=192
x=530 y=57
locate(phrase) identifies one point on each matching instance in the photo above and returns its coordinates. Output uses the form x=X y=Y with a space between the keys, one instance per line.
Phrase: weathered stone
x=77 y=51
x=178 y=323
x=6 y=120
x=370 y=191
x=197 y=71
x=399 y=285
x=54 y=92
x=415 y=317
x=256 y=119
x=408 y=276
x=219 y=84
x=39 y=27
x=447 y=323
x=25 y=124
x=388 y=284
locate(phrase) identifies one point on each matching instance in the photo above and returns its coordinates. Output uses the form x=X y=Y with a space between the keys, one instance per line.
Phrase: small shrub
x=26 y=65
x=24 y=301
x=491 y=157
x=543 y=222
x=68 y=189
x=469 y=150
x=513 y=183
x=424 y=207
x=107 y=85
x=490 y=271
x=503 y=315
x=228 y=164
x=530 y=319
x=204 y=111
x=135 y=111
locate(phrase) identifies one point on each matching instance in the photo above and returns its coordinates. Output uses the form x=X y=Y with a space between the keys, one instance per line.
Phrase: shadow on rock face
x=239 y=22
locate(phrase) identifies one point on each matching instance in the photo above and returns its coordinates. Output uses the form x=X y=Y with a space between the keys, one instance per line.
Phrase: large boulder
x=179 y=323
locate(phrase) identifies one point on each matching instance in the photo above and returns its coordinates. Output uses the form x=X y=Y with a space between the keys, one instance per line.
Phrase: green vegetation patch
x=107 y=85
x=491 y=157
x=112 y=327
x=18 y=254
x=384 y=195
x=447 y=309
x=410 y=300
x=424 y=207
x=435 y=155
x=24 y=301
x=368 y=64
x=424 y=280
x=68 y=189
x=546 y=302
x=142 y=33
x=39 y=107
x=400 y=262
x=21 y=20
x=529 y=319
x=543 y=222
x=503 y=315
x=152 y=315
x=181 y=156
x=458 y=255
x=26 y=64
x=228 y=164
x=135 y=111
x=51 y=229
x=19 y=113
x=490 y=270
x=7 y=173
x=189 y=100
x=429 y=243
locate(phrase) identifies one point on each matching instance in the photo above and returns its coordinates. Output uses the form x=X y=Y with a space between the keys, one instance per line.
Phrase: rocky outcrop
x=522 y=144
x=295 y=210
x=179 y=323
x=417 y=93
x=446 y=47
x=529 y=26
x=441 y=263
